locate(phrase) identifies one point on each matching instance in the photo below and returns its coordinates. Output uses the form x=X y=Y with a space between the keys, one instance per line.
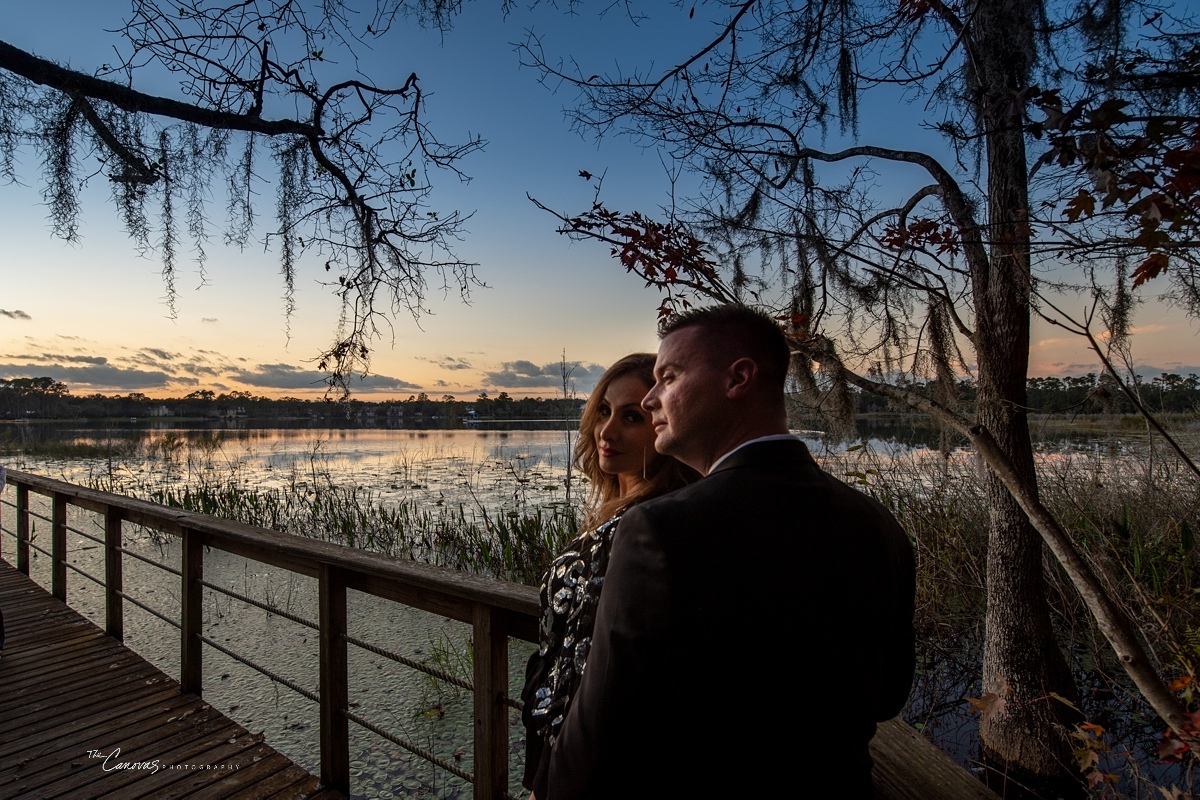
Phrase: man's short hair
x=735 y=331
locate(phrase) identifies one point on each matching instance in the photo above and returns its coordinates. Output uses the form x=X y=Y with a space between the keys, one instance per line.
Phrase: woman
x=616 y=453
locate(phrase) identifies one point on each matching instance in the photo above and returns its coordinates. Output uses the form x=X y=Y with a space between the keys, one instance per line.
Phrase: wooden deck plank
x=66 y=689
x=191 y=758
x=268 y=775
x=308 y=789
x=230 y=769
x=901 y=754
x=56 y=778
x=43 y=701
x=280 y=781
x=103 y=737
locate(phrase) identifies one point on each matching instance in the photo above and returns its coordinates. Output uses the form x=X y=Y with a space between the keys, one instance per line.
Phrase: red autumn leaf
x=1180 y=683
x=988 y=706
x=1170 y=748
x=1081 y=205
x=1149 y=269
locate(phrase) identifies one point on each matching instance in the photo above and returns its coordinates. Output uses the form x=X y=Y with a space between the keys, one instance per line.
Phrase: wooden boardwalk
x=71 y=696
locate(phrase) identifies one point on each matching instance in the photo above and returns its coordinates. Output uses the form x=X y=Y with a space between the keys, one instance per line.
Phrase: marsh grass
x=514 y=540
x=1133 y=514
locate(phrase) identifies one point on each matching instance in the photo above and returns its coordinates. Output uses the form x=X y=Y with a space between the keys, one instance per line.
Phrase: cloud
x=58 y=357
x=449 y=362
x=96 y=376
x=16 y=313
x=527 y=375
x=286 y=376
x=208 y=319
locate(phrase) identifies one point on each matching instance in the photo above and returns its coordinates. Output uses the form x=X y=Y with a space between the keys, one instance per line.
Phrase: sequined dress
x=569 y=595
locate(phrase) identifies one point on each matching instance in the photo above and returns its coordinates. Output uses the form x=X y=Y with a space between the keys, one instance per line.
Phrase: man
x=753 y=626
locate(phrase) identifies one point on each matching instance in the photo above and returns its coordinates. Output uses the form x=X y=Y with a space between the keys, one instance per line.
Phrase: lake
x=476 y=471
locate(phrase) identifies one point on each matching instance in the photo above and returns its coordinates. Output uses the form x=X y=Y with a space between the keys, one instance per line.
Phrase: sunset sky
x=93 y=315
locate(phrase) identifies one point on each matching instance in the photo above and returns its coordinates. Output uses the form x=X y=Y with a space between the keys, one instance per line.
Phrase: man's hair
x=735 y=331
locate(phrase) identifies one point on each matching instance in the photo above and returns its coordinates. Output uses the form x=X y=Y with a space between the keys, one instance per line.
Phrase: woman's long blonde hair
x=662 y=473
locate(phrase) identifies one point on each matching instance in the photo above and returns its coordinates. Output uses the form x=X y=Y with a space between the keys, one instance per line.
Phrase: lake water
x=480 y=471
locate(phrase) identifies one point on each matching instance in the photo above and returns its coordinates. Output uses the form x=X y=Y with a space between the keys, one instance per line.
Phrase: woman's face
x=624 y=435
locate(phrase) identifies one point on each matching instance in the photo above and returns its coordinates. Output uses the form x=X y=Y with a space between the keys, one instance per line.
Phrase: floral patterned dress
x=570 y=593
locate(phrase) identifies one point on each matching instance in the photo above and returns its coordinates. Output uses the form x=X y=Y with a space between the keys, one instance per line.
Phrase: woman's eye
x=636 y=419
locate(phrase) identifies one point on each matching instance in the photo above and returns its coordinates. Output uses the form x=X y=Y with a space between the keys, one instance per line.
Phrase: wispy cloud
x=449 y=362
x=16 y=313
x=56 y=357
x=528 y=375
x=287 y=376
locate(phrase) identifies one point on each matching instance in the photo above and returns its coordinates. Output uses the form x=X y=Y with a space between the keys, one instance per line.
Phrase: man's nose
x=650 y=401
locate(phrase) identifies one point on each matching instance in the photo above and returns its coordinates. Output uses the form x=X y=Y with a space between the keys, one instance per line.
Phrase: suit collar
x=769 y=449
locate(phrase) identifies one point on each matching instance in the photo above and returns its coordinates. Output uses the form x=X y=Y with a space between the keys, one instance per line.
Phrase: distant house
x=161 y=411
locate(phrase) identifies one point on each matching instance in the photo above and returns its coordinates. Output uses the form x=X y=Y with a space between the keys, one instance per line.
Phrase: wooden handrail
x=495 y=609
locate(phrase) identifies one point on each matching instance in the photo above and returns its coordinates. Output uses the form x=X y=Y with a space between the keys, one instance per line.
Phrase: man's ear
x=742 y=376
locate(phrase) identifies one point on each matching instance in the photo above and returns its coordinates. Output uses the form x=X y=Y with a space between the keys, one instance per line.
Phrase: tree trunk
x=1022 y=663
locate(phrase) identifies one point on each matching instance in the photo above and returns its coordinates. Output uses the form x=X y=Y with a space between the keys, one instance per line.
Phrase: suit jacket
x=753 y=625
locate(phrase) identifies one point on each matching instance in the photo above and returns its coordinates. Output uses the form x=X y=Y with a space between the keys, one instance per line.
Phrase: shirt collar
x=775 y=437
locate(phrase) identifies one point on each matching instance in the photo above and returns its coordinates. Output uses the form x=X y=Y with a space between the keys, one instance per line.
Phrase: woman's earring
x=644 y=464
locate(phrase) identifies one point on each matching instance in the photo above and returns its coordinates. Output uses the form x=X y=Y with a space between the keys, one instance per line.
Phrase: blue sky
x=94 y=315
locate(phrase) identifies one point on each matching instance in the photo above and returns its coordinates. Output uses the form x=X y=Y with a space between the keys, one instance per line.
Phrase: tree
x=254 y=80
x=891 y=262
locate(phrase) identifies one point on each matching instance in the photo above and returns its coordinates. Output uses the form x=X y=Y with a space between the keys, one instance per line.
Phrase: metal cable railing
x=409 y=746
x=408 y=662
x=87 y=575
x=490 y=606
x=85 y=535
x=149 y=610
x=270 y=609
x=33 y=546
x=295 y=687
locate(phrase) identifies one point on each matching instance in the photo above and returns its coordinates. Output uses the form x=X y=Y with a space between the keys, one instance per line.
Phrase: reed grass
x=515 y=544
x=1133 y=514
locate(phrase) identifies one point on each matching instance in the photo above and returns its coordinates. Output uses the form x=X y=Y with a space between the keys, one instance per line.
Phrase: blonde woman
x=616 y=453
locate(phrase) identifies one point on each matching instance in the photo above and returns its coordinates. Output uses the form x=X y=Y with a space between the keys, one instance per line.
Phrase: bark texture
x=1022 y=663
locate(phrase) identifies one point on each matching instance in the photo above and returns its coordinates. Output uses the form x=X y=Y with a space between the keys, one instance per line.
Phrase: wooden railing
x=495 y=609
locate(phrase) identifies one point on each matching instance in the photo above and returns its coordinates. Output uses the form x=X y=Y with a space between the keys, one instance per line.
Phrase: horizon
x=93 y=315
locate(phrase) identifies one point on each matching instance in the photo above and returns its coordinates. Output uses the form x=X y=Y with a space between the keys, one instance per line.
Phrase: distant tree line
x=46 y=398
x=1084 y=394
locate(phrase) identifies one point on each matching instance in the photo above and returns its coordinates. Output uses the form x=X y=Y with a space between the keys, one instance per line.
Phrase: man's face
x=686 y=402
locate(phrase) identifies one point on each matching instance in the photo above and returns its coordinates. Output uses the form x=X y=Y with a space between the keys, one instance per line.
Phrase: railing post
x=335 y=692
x=23 y=528
x=58 y=547
x=114 y=615
x=491 y=715
x=191 y=676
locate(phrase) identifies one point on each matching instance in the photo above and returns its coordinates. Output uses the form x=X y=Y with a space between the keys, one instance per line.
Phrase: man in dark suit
x=753 y=626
